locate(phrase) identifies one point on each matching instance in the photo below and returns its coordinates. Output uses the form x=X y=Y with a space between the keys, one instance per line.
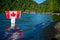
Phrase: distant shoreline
x=37 y=13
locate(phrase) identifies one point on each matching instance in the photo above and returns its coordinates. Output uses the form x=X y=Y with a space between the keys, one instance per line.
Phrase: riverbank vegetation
x=55 y=17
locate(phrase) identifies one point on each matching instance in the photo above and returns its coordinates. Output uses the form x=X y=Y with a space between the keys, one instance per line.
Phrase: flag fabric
x=15 y=14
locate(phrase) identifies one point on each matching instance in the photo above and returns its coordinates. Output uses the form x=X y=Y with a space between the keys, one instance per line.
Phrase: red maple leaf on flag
x=13 y=14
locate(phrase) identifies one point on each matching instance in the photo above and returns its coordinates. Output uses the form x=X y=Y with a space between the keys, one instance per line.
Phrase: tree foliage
x=17 y=5
x=46 y=6
x=51 y=6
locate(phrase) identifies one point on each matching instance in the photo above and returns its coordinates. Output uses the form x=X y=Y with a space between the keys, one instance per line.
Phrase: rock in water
x=57 y=26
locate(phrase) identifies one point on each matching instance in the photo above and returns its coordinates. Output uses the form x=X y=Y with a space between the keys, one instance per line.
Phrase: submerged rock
x=57 y=26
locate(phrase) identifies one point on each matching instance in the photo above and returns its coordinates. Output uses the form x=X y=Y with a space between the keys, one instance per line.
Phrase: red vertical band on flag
x=18 y=14
x=7 y=14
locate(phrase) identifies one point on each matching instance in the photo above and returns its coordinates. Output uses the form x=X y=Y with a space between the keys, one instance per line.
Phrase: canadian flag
x=15 y=14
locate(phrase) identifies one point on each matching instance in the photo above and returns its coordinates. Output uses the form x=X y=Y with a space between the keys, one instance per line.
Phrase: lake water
x=31 y=24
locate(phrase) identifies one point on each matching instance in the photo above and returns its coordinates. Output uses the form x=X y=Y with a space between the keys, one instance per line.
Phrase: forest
x=51 y=6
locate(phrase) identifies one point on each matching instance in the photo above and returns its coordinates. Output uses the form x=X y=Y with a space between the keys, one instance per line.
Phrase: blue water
x=31 y=24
